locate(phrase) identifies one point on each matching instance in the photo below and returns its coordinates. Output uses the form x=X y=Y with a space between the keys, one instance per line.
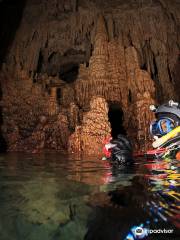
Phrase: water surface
x=58 y=197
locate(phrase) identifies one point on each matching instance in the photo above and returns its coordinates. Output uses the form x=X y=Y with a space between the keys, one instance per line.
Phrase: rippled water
x=56 y=197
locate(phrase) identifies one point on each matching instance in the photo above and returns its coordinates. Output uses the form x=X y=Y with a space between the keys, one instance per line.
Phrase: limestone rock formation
x=142 y=92
x=115 y=74
x=53 y=106
x=59 y=35
x=65 y=54
x=32 y=121
x=88 y=137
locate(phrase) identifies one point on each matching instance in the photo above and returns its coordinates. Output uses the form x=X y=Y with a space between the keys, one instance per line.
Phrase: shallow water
x=53 y=196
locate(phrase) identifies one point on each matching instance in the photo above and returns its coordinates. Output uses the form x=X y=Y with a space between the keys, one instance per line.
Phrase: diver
x=166 y=128
x=165 y=131
x=119 y=150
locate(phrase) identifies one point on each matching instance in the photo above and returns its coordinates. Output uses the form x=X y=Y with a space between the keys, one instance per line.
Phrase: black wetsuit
x=122 y=153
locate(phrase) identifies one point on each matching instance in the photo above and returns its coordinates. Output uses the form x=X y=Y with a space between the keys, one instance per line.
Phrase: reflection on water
x=53 y=196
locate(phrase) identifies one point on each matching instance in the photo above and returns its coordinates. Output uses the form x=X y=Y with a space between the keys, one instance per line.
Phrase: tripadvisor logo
x=160 y=231
x=140 y=232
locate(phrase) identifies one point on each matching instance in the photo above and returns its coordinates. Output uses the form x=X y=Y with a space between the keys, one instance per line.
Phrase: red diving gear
x=106 y=149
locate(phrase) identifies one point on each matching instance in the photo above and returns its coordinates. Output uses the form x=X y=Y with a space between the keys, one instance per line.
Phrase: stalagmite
x=88 y=137
x=53 y=106
x=68 y=54
x=143 y=95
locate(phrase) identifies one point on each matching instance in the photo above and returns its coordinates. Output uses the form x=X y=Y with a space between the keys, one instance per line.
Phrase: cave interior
x=115 y=115
x=65 y=64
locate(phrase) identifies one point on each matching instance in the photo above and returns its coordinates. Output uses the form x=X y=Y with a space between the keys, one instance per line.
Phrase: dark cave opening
x=115 y=116
x=154 y=72
x=59 y=95
x=144 y=66
x=10 y=18
x=69 y=72
x=129 y=96
x=169 y=73
x=40 y=63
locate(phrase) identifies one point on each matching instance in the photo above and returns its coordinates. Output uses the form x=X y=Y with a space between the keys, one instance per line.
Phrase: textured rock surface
x=88 y=138
x=115 y=74
x=31 y=119
x=65 y=53
x=61 y=33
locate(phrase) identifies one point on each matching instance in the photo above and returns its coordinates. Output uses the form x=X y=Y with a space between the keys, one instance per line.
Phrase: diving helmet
x=167 y=118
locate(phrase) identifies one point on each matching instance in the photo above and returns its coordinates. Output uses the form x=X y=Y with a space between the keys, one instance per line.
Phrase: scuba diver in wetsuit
x=119 y=150
x=166 y=128
x=122 y=152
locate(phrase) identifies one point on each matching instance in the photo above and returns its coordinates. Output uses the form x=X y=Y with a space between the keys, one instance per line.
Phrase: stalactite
x=133 y=62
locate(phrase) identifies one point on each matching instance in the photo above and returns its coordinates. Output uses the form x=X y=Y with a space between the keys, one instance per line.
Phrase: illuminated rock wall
x=88 y=138
x=65 y=54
